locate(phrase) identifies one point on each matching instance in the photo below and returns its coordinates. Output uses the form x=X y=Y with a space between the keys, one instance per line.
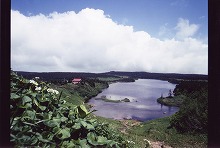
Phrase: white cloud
x=165 y=31
x=184 y=29
x=91 y=41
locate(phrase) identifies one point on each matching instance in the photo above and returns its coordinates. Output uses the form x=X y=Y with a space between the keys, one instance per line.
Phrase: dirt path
x=158 y=144
x=126 y=124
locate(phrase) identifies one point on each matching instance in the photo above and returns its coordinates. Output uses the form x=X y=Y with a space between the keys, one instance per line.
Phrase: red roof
x=76 y=80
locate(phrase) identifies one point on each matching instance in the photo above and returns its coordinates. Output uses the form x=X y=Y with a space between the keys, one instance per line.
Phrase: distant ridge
x=137 y=75
x=149 y=75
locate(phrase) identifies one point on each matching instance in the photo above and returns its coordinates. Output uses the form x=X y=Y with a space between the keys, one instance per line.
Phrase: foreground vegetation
x=49 y=115
x=40 y=117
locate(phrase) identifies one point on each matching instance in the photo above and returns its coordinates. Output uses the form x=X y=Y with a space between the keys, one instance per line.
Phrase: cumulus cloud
x=90 y=41
x=184 y=29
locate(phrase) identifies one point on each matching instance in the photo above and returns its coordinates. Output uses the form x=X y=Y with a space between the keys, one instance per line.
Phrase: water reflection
x=142 y=95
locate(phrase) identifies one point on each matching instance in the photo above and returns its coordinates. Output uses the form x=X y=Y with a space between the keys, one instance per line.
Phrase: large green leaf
x=83 y=112
x=91 y=137
x=63 y=119
x=87 y=125
x=90 y=127
x=56 y=130
x=36 y=103
x=47 y=116
x=112 y=143
x=68 y=144
x=42 y=107
x=14 y=96
x=26 y=99
x=52 y=123
x=24 y=139
x=27 y=105
x=83 y=143
x=29 y=114
x=64 y=133
x=102 y=140
x=33 y=94
x=33 y=140
x=76 y=126
x=45 y=136
x=83 y=123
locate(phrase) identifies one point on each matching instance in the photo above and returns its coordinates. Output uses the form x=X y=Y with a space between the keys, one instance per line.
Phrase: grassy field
x=69 y=94
x=80 y=93
x=157 y=130
x=109 y=79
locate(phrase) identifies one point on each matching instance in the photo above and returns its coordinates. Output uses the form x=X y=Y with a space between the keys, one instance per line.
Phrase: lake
x=142 y=93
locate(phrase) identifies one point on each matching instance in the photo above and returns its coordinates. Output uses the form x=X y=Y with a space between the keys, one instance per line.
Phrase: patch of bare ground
x=126 y=124
x=158 y=144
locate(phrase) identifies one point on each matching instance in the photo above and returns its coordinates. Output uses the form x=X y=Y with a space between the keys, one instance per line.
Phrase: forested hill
x=160 y=76
x=47 y=76
x=59 y=75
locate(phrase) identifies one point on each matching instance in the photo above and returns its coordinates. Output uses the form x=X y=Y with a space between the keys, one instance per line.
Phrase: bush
x=193 y=114
x=39 y=117
x=189 y=87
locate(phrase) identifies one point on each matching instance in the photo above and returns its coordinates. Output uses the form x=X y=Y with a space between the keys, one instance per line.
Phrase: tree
x=170 y=94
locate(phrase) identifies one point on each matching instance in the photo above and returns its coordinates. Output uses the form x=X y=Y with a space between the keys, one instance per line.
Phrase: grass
x=158 y=130
x=109 y=79
x=120 y=127
x=69 y=94
x=80 y=93
x=154 y=131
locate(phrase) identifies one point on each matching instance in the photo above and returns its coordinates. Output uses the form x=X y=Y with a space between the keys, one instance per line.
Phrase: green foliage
x=174 y=101
x=90 y=88
x=193 y=114
x=39 y=117
x=189 y=87
x=159 y=130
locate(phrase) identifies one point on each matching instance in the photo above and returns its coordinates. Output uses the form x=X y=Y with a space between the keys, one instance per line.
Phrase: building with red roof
x=76 y=80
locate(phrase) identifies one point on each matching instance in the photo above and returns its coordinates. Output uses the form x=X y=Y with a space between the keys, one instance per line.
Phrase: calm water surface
x=142 y=93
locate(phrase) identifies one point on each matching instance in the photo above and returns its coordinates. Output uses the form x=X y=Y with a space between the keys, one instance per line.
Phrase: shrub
x=39 y=117
x=193 y=114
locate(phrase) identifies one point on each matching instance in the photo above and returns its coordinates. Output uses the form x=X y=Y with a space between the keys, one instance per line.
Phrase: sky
x=165 y=36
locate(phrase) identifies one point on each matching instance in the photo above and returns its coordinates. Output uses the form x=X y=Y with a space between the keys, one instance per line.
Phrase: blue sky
x=147 y=15
x=172 y=21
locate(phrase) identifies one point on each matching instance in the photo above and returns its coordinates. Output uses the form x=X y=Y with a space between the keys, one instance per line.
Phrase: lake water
x=142 y=93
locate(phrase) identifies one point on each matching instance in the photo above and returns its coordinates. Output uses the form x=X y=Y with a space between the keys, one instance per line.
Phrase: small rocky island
x=104 y=98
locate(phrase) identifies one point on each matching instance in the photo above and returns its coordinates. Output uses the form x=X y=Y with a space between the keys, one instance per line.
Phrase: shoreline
x=175 y=101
